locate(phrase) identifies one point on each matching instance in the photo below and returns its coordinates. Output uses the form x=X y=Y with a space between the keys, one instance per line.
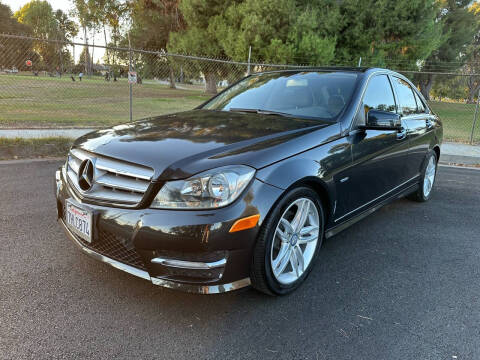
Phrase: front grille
x=113 y=181
x=115 y=247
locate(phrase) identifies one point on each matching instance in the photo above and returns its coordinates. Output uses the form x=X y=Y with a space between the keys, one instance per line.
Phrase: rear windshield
x=313 y=95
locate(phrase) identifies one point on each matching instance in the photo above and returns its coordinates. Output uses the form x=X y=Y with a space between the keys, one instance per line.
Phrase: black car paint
x=179 y=145
x=353 y=170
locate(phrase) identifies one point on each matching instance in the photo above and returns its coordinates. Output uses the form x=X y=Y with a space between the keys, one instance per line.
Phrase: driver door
x=379 y=156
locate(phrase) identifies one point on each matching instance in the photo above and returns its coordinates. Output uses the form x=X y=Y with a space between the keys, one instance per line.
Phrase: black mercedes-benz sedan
x=243 y=189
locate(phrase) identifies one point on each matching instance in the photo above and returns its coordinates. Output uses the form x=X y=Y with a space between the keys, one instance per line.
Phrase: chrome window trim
x=377 y=198
x=377 y=73
x=357 y=108
x=389 y=73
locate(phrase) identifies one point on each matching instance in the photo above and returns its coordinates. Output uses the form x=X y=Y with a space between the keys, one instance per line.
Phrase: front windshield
x=313 y=95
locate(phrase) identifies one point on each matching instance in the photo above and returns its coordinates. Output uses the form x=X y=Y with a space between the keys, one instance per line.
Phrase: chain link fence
x=48 y=83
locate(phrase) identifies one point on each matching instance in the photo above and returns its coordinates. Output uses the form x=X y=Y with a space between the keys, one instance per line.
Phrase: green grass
x=34 y=148
x=457 y=119
x=44 y=101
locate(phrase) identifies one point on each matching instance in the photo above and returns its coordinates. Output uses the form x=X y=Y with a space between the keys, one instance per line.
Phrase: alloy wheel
x=295 y=240
x=429 y=178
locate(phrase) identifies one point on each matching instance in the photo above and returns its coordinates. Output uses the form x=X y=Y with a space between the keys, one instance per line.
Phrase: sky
x=66 y=6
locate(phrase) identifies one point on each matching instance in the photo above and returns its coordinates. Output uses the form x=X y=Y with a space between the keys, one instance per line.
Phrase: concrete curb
x=27 y=161
x=459 y=159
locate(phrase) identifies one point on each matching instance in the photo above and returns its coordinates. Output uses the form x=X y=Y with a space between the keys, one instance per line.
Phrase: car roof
x=353 y=69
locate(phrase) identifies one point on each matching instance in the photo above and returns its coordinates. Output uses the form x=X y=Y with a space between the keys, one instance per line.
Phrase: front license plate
x=79 y=220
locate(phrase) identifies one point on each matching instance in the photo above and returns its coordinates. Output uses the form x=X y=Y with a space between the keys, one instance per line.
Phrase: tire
x=427 y=180
x=277 y=240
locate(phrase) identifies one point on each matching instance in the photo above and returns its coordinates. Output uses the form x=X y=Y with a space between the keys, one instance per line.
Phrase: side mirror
x=382 y=120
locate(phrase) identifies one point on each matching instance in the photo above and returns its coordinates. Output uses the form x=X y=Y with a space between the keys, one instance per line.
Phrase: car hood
x=179 y=145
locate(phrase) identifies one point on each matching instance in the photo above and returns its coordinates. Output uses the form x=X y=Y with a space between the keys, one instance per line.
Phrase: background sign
x=132 y=77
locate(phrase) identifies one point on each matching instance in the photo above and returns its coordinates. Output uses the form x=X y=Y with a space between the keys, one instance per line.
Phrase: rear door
x=416 y=116
x=379 y=156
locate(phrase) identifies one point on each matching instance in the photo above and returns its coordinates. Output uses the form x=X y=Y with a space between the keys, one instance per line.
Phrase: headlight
x=210 y=189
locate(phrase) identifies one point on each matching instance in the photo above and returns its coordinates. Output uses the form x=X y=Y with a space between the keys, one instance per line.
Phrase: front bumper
x=180 y=249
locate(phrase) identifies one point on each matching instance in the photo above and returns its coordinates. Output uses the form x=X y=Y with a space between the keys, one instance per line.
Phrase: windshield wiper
x=261 y=111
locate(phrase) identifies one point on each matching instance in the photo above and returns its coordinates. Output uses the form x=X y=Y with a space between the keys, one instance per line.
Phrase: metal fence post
x=475 y=117
x=129 y=82
x=249 y=55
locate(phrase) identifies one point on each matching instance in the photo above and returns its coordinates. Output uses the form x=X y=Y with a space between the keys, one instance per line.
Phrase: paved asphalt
x=402 y=284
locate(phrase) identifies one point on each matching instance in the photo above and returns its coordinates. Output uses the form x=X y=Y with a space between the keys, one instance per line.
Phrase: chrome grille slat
x=123 y=197
x=74 y=163
x=114 y=181
x=80 y=154
x=126 y=169
x=122 y=182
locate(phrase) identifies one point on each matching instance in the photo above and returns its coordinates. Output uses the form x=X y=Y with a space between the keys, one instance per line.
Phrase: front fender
x=321 y=167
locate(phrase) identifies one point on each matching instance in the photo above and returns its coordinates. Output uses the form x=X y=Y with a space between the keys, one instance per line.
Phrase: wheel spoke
x=280 y=263
x=294 y=263
x=308 y=229
x=288 y=227
x=301 y=216
x=299 y=256
x=282 y=235
x=307 y=239
x=428 y=184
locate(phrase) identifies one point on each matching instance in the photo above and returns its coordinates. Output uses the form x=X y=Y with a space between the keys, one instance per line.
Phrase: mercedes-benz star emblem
x=85 y=175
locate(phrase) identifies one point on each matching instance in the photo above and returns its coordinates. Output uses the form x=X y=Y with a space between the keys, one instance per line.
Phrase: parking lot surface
x=403 y=283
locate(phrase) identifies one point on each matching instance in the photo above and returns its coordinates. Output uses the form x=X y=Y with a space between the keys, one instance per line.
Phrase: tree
x=39 y=16
x=10 y=24
x=200 y=37
x=459 y=28
x=66 y=28
x=65 y=32
x=388 y=32
x=472 y=62
x=152 y=23
x=84 y=14
x=85 y=59
x=279 y=31
x=13 y=52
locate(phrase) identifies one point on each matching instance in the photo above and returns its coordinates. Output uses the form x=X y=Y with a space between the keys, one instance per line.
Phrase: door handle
x=402 y=133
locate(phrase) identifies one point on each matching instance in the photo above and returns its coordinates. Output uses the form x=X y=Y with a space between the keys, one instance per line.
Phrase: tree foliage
x=13 y=53
x=10 y=24
x=379 y=31
x=44 y=23
x=279 y=31
x=472 y=58
x=459 y=26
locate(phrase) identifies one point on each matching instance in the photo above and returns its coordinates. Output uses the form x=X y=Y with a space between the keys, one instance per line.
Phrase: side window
x=420 y=105
x=405 y=95
x=379 y=95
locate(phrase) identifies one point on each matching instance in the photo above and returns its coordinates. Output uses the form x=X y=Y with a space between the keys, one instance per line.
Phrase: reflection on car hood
x=180 y=145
